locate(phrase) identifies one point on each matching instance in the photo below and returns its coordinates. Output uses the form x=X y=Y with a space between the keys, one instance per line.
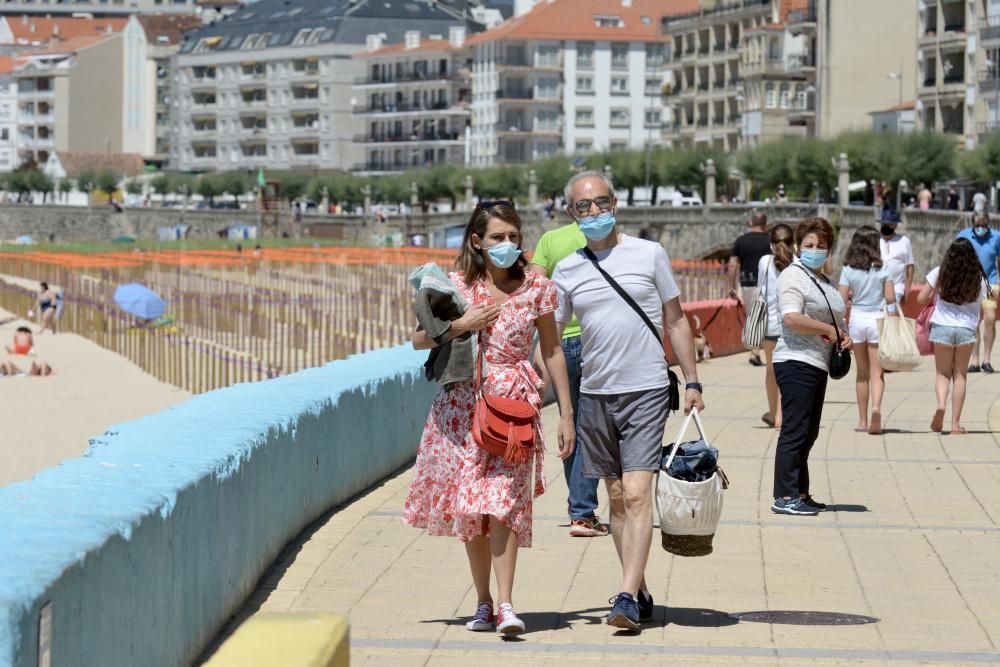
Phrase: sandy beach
x=49 y=419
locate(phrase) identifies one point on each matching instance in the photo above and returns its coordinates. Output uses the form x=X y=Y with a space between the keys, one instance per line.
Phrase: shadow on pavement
x=692 y=617
x=847 y=508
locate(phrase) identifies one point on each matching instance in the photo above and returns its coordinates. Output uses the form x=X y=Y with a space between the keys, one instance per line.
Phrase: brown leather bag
x=504 y=427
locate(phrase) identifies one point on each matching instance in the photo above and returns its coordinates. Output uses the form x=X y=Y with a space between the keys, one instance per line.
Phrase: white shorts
x=864 y=326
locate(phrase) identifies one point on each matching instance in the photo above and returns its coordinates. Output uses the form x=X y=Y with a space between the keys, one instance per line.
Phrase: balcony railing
x=721 y=8
x=396 y=107
x=954 y=78
x=409 y=77
x=807 y=15
x=988 y=82
x=390 y=137
x=989 y=28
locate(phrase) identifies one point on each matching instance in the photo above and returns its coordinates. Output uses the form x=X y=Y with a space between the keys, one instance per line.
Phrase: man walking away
x=625 y=386
x=552 y=248
x=986 y=243
x=897 y=255
x=743 y=263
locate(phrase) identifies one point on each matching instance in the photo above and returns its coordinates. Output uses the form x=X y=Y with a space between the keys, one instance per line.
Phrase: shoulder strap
x=622 y=293
x=833 y=318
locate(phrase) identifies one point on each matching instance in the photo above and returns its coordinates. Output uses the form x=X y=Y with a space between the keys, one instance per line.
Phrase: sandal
x=937 y=423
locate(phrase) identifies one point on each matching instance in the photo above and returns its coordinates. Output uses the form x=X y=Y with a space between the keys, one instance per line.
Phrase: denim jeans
x=582 y=491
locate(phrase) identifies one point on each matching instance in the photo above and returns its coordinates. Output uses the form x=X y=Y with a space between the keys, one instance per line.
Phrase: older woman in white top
x=783 y=252
x=806 y=298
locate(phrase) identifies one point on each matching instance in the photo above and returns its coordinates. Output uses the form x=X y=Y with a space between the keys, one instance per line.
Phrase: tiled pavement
x=911 y=538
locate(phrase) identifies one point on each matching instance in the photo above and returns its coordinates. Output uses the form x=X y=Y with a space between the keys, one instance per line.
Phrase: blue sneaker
x=645 y=600
x=624 y=612
x=794 y=506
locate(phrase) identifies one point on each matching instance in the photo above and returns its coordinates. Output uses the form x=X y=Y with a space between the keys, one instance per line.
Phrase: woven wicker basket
x=688 y=545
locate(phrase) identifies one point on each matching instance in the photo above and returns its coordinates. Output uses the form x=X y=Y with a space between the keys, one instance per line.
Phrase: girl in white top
x=783 y=252
x=960 y=287
x=865 y=284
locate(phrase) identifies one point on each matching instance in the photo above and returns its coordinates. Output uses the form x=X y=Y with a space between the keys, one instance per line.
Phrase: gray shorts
x=619 y=433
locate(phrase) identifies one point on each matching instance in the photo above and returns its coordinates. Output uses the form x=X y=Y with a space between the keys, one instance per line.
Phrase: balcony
x=382 y=165
x=802 y=21
x=802 y=112
x=989 y=31
x=527 y=97
x=430 y=136
x=415 y=77
x=408 y=108
x=527 y=130
x=988 y=82
x=769 y=67
x=801 y=65
x=203 y=130
x=984 y=130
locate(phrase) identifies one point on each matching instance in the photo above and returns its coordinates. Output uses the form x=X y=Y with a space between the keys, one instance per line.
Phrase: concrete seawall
x=144 y=547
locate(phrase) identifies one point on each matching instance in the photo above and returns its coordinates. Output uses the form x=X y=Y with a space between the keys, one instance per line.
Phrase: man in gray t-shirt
x=623 y=392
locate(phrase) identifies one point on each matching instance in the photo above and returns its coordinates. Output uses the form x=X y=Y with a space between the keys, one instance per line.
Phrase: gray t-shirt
x=620 y=354
x=797 y=293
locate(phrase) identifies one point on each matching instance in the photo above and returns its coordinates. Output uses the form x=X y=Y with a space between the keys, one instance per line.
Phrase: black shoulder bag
x=674 y=392
x=840 y=359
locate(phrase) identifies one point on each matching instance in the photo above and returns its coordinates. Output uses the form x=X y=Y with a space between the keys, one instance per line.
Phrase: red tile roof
x=31 y=29
x=120 y=164
x=426 y=46
x=905 y=106
x=575 y=19
x=171 y=26
x=6 y=64
x=64 y=47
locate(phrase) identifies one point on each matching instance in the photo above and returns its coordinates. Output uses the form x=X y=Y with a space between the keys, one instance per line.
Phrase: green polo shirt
x=552 y=248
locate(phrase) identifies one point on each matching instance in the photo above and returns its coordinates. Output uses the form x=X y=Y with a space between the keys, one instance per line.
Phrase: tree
x=182 y=184
x=552 y=174
x=65 y=187
x=86 y=181
x=983 y=163
x=107 y=182
x=294 y=185
x=133 y=186
x=209 y=187
x=502 y=182
x=235 y=183
x=39 y=181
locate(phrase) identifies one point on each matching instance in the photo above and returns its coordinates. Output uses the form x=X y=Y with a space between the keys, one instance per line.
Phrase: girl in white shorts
x=868 y=289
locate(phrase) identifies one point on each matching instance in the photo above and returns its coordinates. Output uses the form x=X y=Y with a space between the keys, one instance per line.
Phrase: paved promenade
x=911 y=538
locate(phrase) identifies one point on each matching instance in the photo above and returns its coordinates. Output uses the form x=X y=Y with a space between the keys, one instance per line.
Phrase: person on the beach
x=744 y=261
x=625 y=388
x=459 y=489
x=46 y=303
x=768 y=270
x=806 y=298
x=23 y=342
x=865 y=284
x=960 y=287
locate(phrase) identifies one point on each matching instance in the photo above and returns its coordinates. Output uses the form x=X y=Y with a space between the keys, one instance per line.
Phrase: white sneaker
x=483 y=621
x=507 y=621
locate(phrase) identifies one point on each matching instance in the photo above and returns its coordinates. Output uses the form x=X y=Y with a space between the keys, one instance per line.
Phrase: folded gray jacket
x=452 y=361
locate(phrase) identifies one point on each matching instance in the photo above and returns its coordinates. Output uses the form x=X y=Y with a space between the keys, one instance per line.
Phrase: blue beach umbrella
x=140 y=301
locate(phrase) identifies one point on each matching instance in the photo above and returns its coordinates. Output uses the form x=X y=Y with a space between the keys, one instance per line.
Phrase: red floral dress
x=456 y=482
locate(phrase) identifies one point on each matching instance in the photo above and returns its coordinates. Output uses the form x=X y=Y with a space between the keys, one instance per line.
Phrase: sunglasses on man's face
x=488 y=204
x=583 y=205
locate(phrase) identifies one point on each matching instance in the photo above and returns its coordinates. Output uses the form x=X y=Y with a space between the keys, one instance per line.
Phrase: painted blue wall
x=150 y=541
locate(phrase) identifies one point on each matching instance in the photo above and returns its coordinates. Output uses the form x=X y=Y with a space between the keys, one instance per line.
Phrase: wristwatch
x=696 y=386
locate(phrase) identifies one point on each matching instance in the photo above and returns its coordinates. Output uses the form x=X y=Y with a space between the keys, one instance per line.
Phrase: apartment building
x=569 y=76
x=988 y=116
x=97 y=8
x=25 y=32
x=714 y=75
x=149 y=44
x=751 y=71
x=8 y=115
x=70 y=97
x=956 y=56
x=272 y=84
x=414 y=102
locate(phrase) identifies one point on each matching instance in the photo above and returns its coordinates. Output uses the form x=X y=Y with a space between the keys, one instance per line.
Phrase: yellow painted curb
x=287 y=640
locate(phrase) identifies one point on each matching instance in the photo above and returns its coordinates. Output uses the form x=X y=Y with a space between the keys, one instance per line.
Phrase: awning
x=312 y=59
x=212 y=41
x=310 y=86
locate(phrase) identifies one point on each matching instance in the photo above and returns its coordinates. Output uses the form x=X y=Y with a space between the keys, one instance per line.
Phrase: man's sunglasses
x=583 y=205
x=488 y=204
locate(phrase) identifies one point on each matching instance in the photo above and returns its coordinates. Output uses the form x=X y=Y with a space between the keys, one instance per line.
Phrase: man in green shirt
x=551 y=249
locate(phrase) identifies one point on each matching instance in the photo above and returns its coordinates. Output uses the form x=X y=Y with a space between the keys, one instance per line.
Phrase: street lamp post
x=898 y=76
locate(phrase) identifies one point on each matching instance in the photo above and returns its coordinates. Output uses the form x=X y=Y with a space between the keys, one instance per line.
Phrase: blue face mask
x=504 y=254
x=981 y=232
x=597 y=227
x=814 y=259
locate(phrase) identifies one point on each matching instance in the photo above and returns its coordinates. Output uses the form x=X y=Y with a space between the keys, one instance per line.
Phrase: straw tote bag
x=755 y=326
x=897 y=348
x=689 y=511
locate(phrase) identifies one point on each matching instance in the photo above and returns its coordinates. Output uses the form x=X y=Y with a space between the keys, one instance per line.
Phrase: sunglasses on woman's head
x=583 y=205
x=486 y=205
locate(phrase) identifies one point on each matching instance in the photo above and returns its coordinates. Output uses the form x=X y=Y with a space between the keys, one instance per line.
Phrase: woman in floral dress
x=459 y=489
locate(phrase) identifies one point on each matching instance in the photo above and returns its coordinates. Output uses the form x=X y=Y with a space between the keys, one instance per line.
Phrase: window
x=585 y=55
x=547 y=56
x=548 y=89
x=547 y=121
x=619 y=85
x=653 y=86
x=584 y=147
x=604 y=21
x=250 y=42
x=617 y=146
x=783 y=99
x=619 y=118
x=653 y=118
x=585 y=117
x=654 y=56
x=619 y=56
x=5 y=134
x=584 y=85
x=769 y=100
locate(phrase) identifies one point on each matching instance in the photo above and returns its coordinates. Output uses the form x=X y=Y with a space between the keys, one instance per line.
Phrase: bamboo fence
x=241 y=319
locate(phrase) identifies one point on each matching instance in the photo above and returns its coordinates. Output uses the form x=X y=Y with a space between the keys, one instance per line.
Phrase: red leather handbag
x=504 y=427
